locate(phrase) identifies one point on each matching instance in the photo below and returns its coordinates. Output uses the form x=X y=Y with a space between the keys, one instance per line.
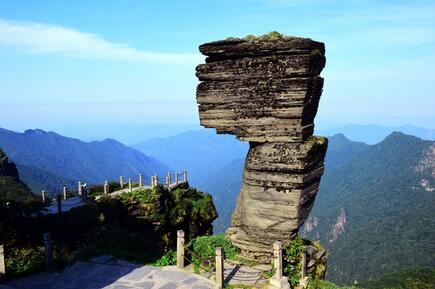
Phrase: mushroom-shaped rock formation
x=266 y=90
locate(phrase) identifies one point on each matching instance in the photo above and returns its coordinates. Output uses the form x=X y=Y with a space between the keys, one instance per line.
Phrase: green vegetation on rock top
x=271 y=36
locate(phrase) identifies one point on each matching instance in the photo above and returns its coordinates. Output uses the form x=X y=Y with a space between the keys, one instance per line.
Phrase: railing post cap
x=180 y=233
x=218 y=251
x=277 y=245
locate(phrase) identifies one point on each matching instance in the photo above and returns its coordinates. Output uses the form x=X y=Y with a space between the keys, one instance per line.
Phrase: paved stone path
x=104 y=272
x=67 y=205
x=236 y=274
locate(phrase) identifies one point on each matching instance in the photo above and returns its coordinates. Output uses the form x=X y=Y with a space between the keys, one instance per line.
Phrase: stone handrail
x=64 y=202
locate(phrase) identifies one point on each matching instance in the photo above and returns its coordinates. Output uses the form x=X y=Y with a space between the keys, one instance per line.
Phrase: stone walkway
x=104 y=272
x=67 y=205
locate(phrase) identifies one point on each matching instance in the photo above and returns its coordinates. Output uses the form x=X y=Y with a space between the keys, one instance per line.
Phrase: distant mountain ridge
x=373 y=134
x=201 y=152
x=71 y=159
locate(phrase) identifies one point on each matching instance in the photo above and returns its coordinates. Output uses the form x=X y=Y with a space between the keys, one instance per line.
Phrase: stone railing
x=277 y=281
x=170 y=182
x=219 y=260
x=82 y=188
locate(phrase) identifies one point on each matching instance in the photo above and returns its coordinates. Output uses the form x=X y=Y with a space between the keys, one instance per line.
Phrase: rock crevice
x=267 y=93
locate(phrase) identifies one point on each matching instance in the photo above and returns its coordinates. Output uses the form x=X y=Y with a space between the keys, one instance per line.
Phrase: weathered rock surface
x=261 y=91
x=267 y=93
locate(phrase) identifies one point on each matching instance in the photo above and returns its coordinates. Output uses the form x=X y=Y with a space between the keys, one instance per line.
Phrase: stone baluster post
x=85 y=192
x=176 y=178
x=2 y=264
x=303 y=282
x=43 y=197
x=304 y=265
x=278 y=280
x=219 y=268
x=185 y=176
x=140 y=182
x=180 y=249
x=59 y=203
x=121 y=182
x=130 y=185
x=167 y=182
x=156 y=180
x=48 y=250
x=80 y=188
x=106 y=187
x=65 y=193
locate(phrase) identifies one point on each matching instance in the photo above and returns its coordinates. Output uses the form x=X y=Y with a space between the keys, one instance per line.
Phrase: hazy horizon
x=131 y=135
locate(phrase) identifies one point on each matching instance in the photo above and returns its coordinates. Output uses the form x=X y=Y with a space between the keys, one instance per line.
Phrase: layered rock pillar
x=266 y=91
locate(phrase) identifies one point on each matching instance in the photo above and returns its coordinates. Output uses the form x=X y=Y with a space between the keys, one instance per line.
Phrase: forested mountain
x=375 y=212
x=342 y=150
x=11 y=187
x=203 y=153
x=49 y=159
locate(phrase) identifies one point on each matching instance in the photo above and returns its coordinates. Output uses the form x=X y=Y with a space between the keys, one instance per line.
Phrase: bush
x=24 y=261
x=98 y=190
x=169 y=258
x=205 y=246
x=292 y=260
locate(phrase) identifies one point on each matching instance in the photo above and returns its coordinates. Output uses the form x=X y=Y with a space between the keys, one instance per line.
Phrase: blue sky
x=82 y=65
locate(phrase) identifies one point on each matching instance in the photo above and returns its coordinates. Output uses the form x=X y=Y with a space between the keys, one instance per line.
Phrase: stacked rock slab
x=267 y=92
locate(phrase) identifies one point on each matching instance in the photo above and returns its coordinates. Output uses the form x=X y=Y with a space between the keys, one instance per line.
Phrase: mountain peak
x=339 y=136
x=399 y=136
x=35 y=131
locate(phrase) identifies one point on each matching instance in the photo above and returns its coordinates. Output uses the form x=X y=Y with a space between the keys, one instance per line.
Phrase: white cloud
x=42 y=38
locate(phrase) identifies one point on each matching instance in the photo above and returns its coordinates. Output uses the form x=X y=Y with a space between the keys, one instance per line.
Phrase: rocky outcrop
x=11 y=187
x=316 y=259
x=266 y=91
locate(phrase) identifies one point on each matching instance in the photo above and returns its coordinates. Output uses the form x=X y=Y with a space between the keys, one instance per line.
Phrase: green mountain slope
x=72 y=159
x=37 y=180
x=341 y=150
x=224 y=186
x=375 y=213
x=415 y=278
x=11 y=187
